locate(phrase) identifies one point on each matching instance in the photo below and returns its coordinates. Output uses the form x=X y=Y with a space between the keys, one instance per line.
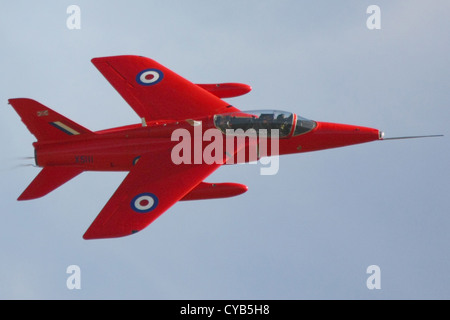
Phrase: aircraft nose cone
x=332 y=135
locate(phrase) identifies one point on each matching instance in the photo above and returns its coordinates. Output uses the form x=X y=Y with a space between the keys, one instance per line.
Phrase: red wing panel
x=151 y=187
x=157 y=93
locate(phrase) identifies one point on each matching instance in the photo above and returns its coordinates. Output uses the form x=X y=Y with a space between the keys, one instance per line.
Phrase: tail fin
x=44 y=123
x=47 y=126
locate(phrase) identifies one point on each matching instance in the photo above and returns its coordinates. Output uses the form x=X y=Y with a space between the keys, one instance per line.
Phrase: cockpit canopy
x=267 y=120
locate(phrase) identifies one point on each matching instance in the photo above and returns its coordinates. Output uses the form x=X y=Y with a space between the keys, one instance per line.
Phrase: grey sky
x=308 y=232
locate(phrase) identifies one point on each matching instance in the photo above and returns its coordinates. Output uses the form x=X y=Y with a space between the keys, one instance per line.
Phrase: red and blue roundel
x=144 y=202
x=149 y=77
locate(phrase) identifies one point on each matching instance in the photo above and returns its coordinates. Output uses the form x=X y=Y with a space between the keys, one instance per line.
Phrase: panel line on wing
x=120 y=75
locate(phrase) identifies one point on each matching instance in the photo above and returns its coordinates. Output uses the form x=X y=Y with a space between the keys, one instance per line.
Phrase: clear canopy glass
x=303 y=126
x=266 y=119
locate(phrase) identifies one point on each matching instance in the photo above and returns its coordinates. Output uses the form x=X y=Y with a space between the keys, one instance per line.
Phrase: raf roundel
x=149 y=77
x=144 y=202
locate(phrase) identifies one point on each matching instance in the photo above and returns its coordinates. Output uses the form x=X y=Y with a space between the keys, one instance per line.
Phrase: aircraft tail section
x=44 y=123
x=47 y=126
x=49 y=179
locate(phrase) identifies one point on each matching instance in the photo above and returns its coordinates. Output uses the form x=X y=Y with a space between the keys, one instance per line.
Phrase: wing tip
x=91 y=234
x=97 y=60
x=96 y=234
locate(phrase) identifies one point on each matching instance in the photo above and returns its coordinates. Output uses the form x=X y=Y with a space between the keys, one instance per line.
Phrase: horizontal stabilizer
x=49 y=179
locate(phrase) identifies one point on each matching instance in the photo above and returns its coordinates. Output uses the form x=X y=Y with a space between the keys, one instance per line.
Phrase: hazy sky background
x=308 y=232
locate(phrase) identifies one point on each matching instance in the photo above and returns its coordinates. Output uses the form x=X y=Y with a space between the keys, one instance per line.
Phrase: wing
x=157 y=93
x=153 y=185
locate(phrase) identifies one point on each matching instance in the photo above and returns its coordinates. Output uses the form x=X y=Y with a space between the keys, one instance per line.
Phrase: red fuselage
x=118 y=149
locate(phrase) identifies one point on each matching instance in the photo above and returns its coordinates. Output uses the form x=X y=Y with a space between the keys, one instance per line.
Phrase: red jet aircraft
x=165 y=102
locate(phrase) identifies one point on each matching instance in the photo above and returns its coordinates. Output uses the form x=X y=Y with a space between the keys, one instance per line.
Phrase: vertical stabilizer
x=44 y=123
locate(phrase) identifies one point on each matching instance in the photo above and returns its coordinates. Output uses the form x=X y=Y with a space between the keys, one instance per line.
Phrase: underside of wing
x=157 y=93
x=153 y=185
